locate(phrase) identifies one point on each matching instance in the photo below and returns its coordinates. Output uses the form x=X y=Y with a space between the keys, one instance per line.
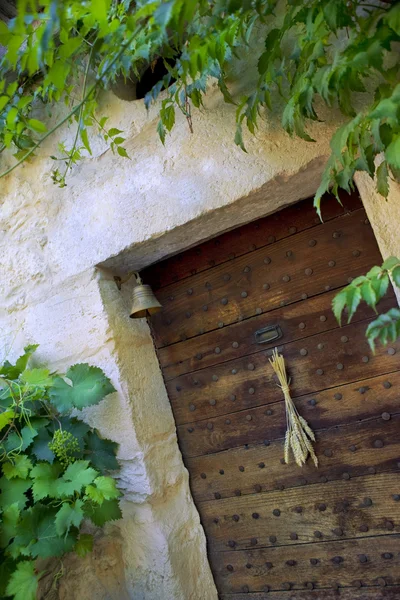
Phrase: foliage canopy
x=53 y=469
x=315 y=51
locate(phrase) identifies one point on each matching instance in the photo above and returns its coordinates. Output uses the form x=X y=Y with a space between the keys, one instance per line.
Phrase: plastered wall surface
x=59 y=250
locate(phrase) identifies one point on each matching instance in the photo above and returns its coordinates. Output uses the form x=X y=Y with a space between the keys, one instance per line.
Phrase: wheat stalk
x=299 y=435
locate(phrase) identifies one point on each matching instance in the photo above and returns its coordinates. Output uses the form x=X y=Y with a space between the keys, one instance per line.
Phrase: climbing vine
x=371 y=288
x=54 y=469
x=315 y=51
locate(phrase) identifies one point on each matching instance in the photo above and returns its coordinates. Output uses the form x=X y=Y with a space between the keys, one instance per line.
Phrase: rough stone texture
x=122 y=215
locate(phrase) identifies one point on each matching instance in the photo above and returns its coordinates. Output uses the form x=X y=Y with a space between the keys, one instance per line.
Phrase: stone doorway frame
x=164 y=545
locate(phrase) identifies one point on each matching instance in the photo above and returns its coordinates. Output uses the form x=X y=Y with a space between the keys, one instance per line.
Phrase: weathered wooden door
x=271 y=527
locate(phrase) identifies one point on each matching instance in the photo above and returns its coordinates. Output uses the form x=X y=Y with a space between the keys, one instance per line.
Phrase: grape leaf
x=20 y=467
x=88 y=386
x=45 y=480
x=14 y=371
x=20 y=442
x=23 y=582
x=9 y=520
x=13 y=492
x=75 y=477
x=84 y=545
x=103 y=488
x=101 y=453
x=39 y=377
x=40 y=447
x=69 y=515
x=100 y=514
x=5 y=418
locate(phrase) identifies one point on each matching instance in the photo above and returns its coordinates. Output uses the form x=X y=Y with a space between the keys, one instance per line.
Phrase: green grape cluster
x=65 y=446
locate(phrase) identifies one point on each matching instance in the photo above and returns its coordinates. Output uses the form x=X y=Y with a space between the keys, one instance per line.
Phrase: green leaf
x=3 y=100
x=85 y=140
x=114 y=131
x=5 y=418
x=368 y=294
x=101 y=453
x=161 y=131
x=122 y=152
x=69 y=515
x=392 y=153
x=263 y=62
x=393 y=18
x=45 y=480
x=46 y=541
x=20 y=467
x=36 y=125
x=40 y=447
x=37 y=377
x=380 y=285
x=13 y=492
x=88 y=386
x=396 y=275
x=14 y=371
x=76 y=476
x=99 y=514
x=23 y=582
x=390 y=262
x=103 y=488
x=163 y=13
x=84 y=545
x=353 y=299
x=20 y=442
x=9 y=520
x=338 y=303
x=382 y=183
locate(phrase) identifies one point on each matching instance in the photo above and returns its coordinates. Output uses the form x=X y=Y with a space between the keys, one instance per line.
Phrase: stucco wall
x=121 y=215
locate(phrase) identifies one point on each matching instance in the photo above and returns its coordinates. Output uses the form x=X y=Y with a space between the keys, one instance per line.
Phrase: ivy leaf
x=39 y=377
x=45 y=480
x=20 y=467
x=23 y=582
x=84 y=545
x=353 y=298
x=76 y=476
x=103 y=488
x=69 y=515
x=338 y=303
x=88 y=386
x=9 y=520
x=13 y=492
x=100 y=514
x=101 y=453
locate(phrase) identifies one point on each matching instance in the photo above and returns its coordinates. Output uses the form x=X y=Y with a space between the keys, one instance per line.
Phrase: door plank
x=234 y=291
x=351 y=450
x=344 y=404
x=247 y=382
x=333 y=510
x=240 y=241
x=326 y=573
x=350 y=593
x=239 y=340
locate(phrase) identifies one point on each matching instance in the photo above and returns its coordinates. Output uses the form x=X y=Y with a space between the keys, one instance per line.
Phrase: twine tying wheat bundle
x=299 y=435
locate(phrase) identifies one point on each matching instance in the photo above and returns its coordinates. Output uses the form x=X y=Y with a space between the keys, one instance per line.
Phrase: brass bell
x=144 y=302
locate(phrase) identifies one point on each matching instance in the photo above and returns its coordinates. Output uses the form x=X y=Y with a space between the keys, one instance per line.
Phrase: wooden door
x=303 y=533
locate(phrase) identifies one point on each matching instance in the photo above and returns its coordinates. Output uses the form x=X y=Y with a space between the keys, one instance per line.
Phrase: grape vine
x=54 y=469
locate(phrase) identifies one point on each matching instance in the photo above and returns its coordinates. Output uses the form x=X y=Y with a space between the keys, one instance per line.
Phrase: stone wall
x=60 y=249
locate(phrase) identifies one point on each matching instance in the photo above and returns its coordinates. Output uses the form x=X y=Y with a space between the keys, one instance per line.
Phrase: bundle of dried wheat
x=299 y=434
